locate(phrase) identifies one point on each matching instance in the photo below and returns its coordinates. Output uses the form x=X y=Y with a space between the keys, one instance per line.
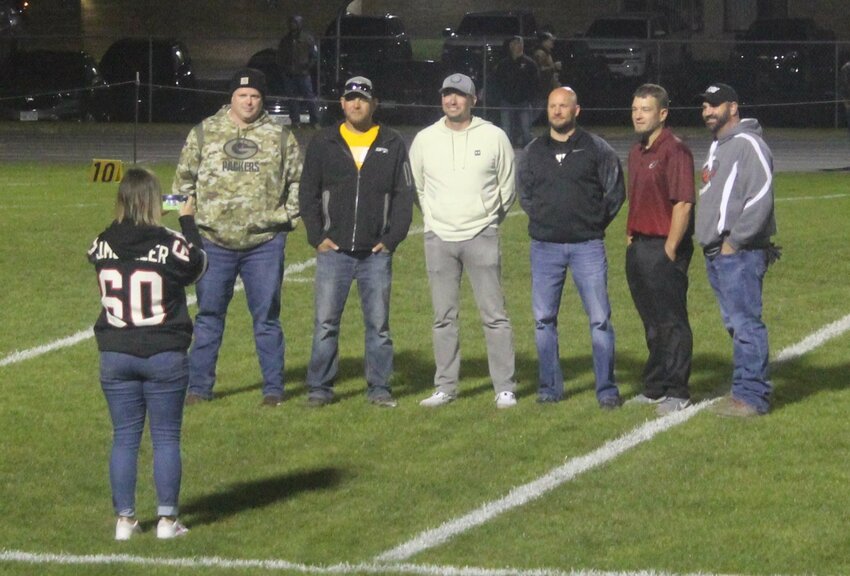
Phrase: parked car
x=785 y=58
x=367 y=44
x=169 y=83
x=52 y=85
x=478 y=43
x=638 y=44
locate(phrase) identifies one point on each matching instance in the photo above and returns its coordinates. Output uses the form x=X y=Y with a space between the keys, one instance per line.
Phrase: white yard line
x=282 y=565
x=289 y=274
x=798 y=198
x=521 y=495
x=430 y=538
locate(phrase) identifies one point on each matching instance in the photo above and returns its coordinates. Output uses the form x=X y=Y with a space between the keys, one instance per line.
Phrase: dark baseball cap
x=249 y=78
x=718 y=93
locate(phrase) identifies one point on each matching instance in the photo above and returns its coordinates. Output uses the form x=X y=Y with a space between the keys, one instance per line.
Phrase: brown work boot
x=731 y=407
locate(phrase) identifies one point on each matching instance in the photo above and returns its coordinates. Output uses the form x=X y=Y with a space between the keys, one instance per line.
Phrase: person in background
x=463 y=167
x=243 y=168
x=143 y=333
x=297 y=55
x=660 y=246
x=356 y=200
x=571 y=186
x=547 y=66
x=517 y=80
x=734 y=225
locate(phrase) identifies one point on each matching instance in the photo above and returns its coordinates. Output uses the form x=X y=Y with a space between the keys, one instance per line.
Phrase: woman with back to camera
x=143 y=333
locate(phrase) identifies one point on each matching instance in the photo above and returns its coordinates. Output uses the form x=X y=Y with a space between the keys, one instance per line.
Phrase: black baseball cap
x=718 y=93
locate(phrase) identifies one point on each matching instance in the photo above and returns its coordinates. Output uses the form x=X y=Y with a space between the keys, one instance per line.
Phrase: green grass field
x=329 y=490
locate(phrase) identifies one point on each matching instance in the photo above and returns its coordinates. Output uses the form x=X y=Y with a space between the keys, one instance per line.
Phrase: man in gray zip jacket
x=734 y=225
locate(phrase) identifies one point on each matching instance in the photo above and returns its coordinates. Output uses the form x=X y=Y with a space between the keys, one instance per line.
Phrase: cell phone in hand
x=171 y=202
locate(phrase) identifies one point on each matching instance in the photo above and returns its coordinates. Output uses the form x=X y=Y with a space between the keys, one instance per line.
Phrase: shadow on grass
x=711 y=377
x=242 y=496
x=293 y=385
x=797 y=379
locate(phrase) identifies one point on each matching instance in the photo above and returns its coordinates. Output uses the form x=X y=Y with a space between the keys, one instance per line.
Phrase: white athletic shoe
x=644 y=400
x=505 y=400
x=126 y=529
x=437 y=399
x=167 y=529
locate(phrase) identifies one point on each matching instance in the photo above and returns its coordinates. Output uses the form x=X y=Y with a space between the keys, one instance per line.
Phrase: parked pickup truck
x=637 y=44
x=478 y=43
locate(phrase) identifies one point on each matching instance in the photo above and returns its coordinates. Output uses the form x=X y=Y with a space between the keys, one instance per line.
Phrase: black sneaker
x=271 y=401
x=610 y=403
x=319 y=401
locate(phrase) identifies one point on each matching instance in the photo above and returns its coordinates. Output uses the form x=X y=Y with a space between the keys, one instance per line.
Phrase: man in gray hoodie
x=734 y=225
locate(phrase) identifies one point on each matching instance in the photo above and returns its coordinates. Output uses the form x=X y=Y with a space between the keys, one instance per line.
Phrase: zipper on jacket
x=356 y=204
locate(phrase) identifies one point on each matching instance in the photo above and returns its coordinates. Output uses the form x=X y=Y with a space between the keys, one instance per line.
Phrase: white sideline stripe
x=521 y=495
x=83 y=335
x=814 y=340
x=344 y=568
x=826 y=197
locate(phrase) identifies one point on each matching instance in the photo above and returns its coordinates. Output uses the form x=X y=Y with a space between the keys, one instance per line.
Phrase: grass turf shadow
x=242 y=496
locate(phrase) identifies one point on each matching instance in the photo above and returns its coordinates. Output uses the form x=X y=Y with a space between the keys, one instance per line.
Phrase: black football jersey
x=142 y=272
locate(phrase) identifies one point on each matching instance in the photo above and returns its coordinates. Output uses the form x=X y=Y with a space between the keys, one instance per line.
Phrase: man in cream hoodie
x=464 y=172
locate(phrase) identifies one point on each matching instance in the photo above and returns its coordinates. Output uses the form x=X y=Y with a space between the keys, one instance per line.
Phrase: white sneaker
x=167 y=529
x=644 y=400
x=437 y=399
x=126 y=529
x=505 y=400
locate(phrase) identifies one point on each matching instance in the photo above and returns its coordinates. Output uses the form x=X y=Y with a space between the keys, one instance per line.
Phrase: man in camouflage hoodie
x=243 y=170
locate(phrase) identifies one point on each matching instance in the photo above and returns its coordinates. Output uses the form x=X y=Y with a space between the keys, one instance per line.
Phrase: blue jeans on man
x=737 y=281
x=588 y=262
x=299 y=89
x=261 y=271
x=335 y=272
x=136 y=388
x=516 y=121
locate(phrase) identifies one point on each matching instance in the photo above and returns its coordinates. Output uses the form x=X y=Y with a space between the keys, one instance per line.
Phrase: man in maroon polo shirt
x=659 y=230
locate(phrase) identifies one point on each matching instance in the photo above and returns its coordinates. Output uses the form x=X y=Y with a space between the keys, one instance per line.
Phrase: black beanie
x=249 y=78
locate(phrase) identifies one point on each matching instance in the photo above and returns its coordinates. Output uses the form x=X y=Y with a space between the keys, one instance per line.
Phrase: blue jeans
x=737 y=282
x=300 y=90
x=335 y=271
x=261 y=270
x=589 y=264
x=135 y=387
x=516 y=121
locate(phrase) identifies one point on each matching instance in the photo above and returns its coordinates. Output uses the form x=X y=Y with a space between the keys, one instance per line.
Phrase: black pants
x=659 y=289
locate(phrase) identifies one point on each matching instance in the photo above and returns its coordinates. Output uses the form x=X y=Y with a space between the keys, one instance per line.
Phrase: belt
x=645 y=237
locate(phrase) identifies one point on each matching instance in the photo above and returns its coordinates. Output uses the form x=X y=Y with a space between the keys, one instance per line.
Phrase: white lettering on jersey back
x=158 y=255
x=104 y=251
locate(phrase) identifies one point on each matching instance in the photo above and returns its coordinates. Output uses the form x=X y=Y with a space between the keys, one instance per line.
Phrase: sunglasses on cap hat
x=358 y=86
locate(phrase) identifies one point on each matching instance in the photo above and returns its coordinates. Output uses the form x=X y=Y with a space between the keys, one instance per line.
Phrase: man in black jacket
x=356 y=199
x=571 y=186
x=517 y=80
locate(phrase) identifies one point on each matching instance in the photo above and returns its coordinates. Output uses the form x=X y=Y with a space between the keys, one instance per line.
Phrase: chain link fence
x=170 y=80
